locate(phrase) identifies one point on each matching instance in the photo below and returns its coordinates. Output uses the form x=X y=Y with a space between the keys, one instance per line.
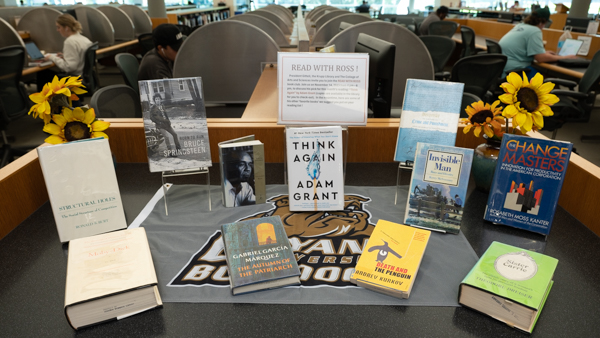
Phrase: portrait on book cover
x=238 y=176
x=175 y=124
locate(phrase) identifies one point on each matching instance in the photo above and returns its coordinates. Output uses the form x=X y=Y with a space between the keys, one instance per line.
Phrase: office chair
x=467 y=100
x=116 y=101
x=440 y=48
x=575 y=106
x=493 y=47
x=479 y=73
x=468 y=41
x=185 y=29
x=145 y=40
x=89 y=78
x=444 y=28
x=128 y=65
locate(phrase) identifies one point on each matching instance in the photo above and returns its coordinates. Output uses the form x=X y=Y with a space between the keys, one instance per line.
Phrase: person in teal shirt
x=524 y=43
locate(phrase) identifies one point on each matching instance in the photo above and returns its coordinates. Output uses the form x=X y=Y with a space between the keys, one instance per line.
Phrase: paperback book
x=315 y=168
x=391 y=259
x=429 y=114
x=438 y=187
x=510 y=284
x=175 y=124
x=82 y=188
x=109 y=277
x=242 y=162
x=259 y=255
x=527 y=182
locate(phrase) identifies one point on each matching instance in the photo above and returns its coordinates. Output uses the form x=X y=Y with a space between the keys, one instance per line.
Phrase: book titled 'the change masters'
x=259 y=255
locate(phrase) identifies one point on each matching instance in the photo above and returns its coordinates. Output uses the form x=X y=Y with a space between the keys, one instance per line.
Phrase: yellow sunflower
x=484 y=117
x=74 y=125
x=527 y=101
x=56 y=94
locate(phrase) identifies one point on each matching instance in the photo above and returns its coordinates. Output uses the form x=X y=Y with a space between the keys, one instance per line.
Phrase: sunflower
x=484 y=117
x=527 y=101
x=55 y=94
x=74 y=125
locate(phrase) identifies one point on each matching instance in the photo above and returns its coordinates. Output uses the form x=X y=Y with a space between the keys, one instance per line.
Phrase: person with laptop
x=72 y=59
x=524 y=43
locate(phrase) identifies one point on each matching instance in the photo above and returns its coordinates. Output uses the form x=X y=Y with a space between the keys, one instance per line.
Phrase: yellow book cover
x=390 y=261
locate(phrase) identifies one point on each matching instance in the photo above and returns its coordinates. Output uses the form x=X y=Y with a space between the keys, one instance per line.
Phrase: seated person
x=158 y=63
x=364 y=8
x=72 y=59
x=440 y=14
x=524 y=43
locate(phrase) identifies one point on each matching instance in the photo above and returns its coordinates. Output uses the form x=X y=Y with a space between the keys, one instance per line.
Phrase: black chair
x=185 y=29
x=128 y=65
x=479 y=73
x=145 y=40
x=468 y=41
x=493 y=47
x=467 y=100
x=14 y=102
x=443 y=28
x=116 y=101
x=575 y=106
x=440 y=48
x=89 y=78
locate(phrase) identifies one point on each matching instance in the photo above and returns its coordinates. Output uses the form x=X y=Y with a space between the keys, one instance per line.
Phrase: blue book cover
x=259 y=255
x=438 y=187
x=527 y=182
x=430 y=114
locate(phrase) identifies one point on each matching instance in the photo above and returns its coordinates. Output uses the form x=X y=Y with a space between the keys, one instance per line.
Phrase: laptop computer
x=570 y=47
x=33 y=51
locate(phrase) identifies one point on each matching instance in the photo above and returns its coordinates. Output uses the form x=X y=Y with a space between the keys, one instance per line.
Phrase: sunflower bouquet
x=63 y=122
x=527 y=102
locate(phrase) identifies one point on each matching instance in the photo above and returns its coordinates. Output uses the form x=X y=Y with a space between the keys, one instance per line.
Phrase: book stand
x=184 y=172
x=402 y=166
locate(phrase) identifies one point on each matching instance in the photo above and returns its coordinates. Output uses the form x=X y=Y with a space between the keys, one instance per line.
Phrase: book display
x=109 y=277
x=242 y=163
x=527 y=182
x=259 y=255
x=438 y=187
x=390 y=262
x=509 y=284
x=83 y=188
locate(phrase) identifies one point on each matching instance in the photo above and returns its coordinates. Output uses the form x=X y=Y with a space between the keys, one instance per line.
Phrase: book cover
x=82 y=187
x=438 y=187
x=109 y=276
x=510 y=284
x=242 y=163
x=315 y=168
x=527 y=182
x=175 y=124
x=429 y=114
x=259 y=255
x=390 y=261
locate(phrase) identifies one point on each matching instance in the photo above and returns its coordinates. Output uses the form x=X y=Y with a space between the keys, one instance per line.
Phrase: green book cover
x=513 y=273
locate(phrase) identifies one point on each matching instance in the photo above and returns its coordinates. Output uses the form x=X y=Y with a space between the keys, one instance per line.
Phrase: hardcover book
x=242 y=162
x=429 y=114
x=82 y=187
x=109 y=276
x=438 y=187
x=527 y=182
x=510 y=284
x=175 y=124
x=259 y=255
x=315 y=168
x=390 y=261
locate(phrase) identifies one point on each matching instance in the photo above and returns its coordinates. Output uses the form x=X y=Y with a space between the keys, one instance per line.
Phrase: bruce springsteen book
x=509 y=284
x=175 y=124
x=315 y=168
x=391 y=259
x=527 y=182
x=83 y=189
x=438 y=187
x=259 y=255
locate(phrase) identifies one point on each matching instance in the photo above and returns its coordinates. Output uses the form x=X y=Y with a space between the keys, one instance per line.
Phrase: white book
x=315 y=168
x=82 y=187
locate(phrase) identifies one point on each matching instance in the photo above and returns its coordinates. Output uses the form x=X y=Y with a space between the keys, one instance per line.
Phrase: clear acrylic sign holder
x=402 y=167
x=185 y=172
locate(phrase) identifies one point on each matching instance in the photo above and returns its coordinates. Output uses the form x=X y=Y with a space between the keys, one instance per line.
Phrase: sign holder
x=185 y=172
x=407 y=166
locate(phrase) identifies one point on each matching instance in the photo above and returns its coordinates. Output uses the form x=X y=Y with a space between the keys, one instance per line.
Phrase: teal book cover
x=438 y=187
x=429 y=114
x=258 y=251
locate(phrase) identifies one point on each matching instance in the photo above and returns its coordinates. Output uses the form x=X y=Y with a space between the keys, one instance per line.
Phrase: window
x=181 y=85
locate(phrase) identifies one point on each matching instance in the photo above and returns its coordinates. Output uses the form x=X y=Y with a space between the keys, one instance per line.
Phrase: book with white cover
x=109 y=276
x=315 y=167
x=83 y=188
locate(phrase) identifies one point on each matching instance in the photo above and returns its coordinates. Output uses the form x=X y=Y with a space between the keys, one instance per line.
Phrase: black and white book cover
x=175 y=124
x=243 y=172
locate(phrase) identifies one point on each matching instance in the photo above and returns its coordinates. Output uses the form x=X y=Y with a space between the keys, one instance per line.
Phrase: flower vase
x=484 y=164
